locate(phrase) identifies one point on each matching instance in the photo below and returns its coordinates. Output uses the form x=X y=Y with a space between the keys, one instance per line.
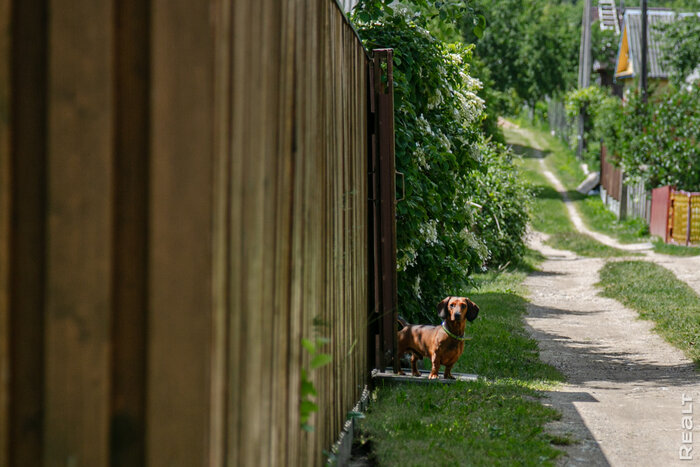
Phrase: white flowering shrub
x=439 y=145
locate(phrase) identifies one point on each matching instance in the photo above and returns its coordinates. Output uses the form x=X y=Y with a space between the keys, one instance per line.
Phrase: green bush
x=680 y=46
x=655 y=142
x=447 y=164
x=505 y=199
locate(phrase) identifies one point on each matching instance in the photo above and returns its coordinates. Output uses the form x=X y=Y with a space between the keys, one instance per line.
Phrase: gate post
x=383 y=172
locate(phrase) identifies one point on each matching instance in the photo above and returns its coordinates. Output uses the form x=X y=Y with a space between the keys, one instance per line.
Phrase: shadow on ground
x=528 y=152
x=604 y=362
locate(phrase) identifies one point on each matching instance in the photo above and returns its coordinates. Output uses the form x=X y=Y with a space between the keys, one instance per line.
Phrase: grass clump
x=601 y=219
x=584 y=245
x=674 y=250
x=466 y=423
x=493 y=421
x=657 y=295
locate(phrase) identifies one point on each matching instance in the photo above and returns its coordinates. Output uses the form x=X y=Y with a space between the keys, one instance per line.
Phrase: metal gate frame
x=382 y=225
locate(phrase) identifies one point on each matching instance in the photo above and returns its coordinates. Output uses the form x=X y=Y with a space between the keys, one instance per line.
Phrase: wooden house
x=629 y=57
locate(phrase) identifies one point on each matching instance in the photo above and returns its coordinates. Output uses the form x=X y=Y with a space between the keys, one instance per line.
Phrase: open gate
x=382 y=213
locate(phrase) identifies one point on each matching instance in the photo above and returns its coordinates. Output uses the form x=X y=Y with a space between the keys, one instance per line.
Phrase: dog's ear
x=442 y=308
x=472 y=310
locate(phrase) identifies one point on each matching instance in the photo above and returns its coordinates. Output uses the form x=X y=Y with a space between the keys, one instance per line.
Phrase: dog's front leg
x=435 y=367
x=448 y=372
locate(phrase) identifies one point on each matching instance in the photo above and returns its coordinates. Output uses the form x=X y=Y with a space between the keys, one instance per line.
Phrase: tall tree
x=529 y=46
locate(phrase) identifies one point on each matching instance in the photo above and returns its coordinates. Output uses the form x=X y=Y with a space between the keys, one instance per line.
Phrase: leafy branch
x=318 y=359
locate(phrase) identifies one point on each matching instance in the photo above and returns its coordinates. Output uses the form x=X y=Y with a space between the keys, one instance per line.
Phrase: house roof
x=629 y=57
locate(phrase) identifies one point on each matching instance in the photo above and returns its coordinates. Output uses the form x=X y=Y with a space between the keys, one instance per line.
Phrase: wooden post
x=28 y=184
x=79 y=236
x=384 y=90
x=5 y=217
x=690 y=215
x=643 y=70
x=180 y=234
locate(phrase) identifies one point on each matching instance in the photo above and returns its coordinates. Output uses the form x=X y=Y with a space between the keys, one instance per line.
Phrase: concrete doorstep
x=389 y=377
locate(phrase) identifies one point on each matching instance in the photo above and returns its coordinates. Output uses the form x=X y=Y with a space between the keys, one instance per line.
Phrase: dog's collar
x=463 y=338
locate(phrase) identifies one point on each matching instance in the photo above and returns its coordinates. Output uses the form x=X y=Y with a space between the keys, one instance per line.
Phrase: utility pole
x=643 y=77
x=584 y=69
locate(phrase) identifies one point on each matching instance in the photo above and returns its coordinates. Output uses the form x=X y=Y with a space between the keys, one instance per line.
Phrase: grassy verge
x=599 y=218
x=549 y=215
x=674 y=250
x=561 y=160
x=493 y=421
x=656 y=294
x=584 y=245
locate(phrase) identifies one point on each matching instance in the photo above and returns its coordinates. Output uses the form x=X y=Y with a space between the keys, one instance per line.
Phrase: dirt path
x=686 y=269
x=625 y=384
x=623 y=400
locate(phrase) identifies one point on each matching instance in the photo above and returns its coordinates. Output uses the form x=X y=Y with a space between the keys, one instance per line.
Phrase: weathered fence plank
x=131 y=173
x=79 y=232
x=24 y=255
x=180 y=234
x=5 y=229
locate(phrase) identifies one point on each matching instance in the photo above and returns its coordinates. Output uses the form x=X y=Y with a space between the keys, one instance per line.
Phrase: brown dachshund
x=443 y=344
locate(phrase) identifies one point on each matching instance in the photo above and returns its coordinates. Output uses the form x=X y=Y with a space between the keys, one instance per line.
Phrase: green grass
x=549 y=214
x=466 y=423
x=601 y=219
x=674 y=250
x=583 y=245
x=549 y=218
x=657 y=295
x=493 y=421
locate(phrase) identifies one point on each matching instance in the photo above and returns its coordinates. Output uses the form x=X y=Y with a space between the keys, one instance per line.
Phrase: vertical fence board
x=180 y=235
x=241 y=42
x=79 y=236
x=130 y=233
x=22 y=248
x=222 y=236
x=660 y=204
x=5 y=228
x=253 y=411
x=283 y=244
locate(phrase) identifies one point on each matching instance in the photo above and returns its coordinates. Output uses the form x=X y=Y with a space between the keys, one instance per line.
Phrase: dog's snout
x=458 y=315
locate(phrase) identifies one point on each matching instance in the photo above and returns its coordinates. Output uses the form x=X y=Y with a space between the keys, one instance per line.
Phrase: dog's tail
x=402 y=321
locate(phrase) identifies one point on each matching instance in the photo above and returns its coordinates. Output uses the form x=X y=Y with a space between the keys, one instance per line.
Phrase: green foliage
x=680 y=46
x=604 y=45
x=448 y=167
x=658 y=141
x=654 y=142
x=602 y=116
x=318 y=359
x=578 y=100
x=529 y=46
x=504 y=198
x=599 y=218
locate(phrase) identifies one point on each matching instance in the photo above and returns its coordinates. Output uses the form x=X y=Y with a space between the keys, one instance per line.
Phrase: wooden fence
x=624 y=199
x=183 y=199
x=610 y=181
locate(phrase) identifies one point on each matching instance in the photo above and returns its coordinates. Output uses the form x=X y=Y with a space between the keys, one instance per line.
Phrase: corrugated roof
x=632 y=22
